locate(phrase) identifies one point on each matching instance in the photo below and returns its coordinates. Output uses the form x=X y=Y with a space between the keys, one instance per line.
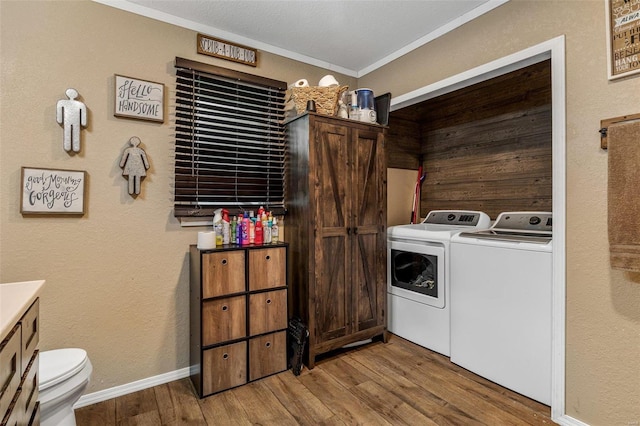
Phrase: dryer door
x=416 y=272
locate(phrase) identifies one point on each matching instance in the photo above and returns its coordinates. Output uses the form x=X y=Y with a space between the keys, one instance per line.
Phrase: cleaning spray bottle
x=217 y=225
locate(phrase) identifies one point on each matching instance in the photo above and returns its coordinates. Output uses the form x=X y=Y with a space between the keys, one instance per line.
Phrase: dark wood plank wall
x=485 y=147
x=403 y=142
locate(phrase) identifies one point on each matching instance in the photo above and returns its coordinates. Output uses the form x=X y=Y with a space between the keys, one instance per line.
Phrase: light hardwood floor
x=397 y=383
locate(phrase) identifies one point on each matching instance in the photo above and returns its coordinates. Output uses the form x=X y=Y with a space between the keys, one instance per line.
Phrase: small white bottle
x=268 y=224
x=275 y=231
x=354 y=110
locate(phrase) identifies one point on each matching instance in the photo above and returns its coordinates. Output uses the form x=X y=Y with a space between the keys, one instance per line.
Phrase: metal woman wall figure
x=135 y=164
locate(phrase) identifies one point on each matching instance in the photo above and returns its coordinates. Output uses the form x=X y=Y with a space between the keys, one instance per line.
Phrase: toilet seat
x=64 y=376
x=59 y=365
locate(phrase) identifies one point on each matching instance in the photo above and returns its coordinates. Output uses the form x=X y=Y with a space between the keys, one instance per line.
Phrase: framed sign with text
x=226 y=50
x=139 y=99
x=623 y=37
x=51 y=191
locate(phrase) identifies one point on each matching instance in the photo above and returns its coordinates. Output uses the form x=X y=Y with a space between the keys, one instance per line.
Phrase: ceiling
x=352 y=37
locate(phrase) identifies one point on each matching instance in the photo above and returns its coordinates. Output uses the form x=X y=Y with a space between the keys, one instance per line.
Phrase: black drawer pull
x=225 y=308
x=34 y=330
x=268 y=301
x=267 y=257
x=268 y=344
x=225 y=356
x=14 y=370
x=224 y=261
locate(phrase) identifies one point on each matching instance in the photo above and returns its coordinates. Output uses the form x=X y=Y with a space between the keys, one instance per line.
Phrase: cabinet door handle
x=348 y=231
x=268 y=344
x=268 y=301
x=224 y=261
x=355 y=231
x=14 y=370
x=225 y=356
x=225 y=308
x=267 y=257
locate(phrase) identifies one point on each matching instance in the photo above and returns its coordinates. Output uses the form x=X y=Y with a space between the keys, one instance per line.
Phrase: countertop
x=15 y=299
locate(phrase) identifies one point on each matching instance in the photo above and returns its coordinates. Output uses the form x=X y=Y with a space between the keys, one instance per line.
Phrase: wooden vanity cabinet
x=19 y=371
x=238 y=315
x=336 y=227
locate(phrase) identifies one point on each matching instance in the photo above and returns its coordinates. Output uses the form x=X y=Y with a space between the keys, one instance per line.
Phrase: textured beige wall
x=117 y=278
x=603 y=306
x=399 y=201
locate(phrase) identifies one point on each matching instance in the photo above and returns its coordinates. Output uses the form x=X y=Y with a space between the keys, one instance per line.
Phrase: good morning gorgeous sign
x=52 y=191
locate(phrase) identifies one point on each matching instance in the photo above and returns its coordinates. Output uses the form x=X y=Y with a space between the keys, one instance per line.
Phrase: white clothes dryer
x=418 y=276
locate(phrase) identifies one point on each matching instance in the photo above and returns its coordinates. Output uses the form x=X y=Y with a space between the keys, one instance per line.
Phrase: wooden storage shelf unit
x=238 y=315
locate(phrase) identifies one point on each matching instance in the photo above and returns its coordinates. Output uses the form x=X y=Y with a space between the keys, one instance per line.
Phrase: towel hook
x=604 y=125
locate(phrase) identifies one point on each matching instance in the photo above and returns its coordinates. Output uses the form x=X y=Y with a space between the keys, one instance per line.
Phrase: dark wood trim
x=208 y=212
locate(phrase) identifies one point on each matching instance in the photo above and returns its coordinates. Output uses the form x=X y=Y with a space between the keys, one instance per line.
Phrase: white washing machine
x=501 y=290
x=418 y=276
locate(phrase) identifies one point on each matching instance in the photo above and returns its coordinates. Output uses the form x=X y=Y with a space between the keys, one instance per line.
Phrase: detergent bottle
x=226 y=227
x=267 y=224
x=239 y=230
x=245 y=229
x=252 y=227
x=217 y=226
x=275 y=231
x=258 y=238
x=234 y=228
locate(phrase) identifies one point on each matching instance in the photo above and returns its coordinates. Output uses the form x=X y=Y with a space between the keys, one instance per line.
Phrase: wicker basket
x=326 y=98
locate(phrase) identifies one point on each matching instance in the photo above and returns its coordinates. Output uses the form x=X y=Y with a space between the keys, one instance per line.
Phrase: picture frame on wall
x=138 y=99
x=52 y=191
x=623 y=38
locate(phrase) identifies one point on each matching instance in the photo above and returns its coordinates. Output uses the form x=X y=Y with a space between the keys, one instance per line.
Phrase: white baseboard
x=128 y=388
x=569 y=421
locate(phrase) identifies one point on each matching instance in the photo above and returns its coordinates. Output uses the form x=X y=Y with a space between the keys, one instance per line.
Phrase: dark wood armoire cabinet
x=336 y=228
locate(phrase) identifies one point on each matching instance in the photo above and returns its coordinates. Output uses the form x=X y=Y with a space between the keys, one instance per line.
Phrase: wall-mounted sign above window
x=225 y=50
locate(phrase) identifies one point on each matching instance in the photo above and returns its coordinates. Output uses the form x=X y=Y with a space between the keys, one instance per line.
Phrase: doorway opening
x=553 y=51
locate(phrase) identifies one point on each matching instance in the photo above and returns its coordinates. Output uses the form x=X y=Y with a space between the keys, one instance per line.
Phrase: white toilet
x=64 y=376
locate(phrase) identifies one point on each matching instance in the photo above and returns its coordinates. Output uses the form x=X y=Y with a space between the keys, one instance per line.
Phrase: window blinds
x=230 y=145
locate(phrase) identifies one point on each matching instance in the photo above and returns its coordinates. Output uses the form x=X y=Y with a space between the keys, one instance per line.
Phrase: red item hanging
x=415 y=211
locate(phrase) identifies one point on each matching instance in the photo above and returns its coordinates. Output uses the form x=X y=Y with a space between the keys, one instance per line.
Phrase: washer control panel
x=458 y=218
x=525 y=221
